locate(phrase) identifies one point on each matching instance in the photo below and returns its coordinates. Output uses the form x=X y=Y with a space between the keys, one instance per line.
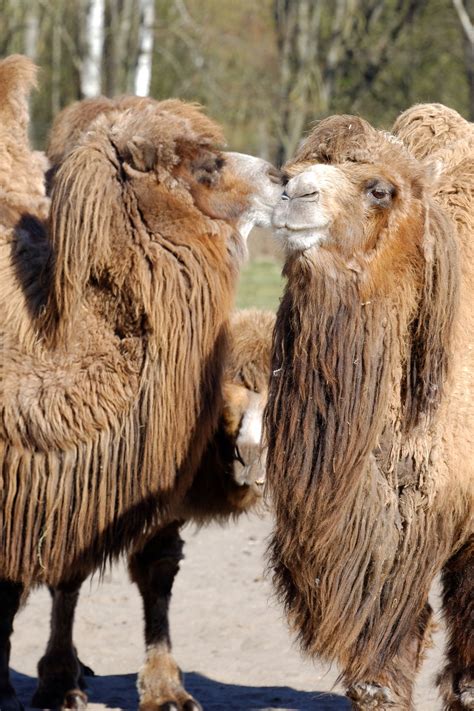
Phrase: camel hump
x=428 y=128
x=18 y=75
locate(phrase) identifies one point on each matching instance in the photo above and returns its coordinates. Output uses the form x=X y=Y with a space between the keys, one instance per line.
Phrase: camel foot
x=75 y=699
x=365 y=696
x=9 y=701
x=160 y=685
x=188 y=704
x=50 y=698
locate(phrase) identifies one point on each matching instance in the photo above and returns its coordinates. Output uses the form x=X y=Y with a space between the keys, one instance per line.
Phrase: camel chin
x=300 y=240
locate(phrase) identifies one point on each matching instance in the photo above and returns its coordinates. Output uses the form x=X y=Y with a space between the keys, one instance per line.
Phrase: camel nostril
x=285 y=196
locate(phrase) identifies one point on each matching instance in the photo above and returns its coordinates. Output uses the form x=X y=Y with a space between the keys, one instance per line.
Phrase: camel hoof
x=51 y=699
x=192 y=705
x=366 y=696
x=75 y=699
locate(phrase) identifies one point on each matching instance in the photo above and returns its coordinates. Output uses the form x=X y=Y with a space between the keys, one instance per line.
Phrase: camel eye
x=380 y=193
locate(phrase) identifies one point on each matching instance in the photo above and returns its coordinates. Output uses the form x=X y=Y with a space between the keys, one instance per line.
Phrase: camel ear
x=431 y=330
x=140 y=154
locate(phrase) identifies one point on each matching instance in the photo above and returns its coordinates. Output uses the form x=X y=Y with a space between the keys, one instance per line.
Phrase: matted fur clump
x=370 y=413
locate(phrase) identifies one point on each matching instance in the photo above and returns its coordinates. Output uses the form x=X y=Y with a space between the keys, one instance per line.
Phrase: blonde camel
x=370 y=415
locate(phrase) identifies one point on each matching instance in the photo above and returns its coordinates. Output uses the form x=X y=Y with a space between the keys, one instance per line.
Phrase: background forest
x=265 y=69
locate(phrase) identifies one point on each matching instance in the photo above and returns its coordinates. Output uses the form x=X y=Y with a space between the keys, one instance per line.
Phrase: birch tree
x=94 y=41
x=145 y=45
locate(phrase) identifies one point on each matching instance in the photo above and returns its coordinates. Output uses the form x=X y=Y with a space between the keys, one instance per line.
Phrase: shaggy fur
x=114 y=331
x=214 y=495
x=369 y=460
x=88 y=342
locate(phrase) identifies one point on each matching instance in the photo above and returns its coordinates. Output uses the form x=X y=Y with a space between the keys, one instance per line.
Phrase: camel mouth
x=245 y=475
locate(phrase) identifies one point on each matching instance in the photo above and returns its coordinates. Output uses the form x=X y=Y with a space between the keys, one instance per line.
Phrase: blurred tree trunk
x=297 y=24
x=120 y=47
x=320 y=44
x=32 y=27
x=468 y=29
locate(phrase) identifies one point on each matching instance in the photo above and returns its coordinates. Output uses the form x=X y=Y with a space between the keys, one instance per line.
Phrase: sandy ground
x=229 y=636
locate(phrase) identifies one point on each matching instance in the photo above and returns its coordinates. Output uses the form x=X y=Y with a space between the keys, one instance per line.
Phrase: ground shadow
x=118 y=691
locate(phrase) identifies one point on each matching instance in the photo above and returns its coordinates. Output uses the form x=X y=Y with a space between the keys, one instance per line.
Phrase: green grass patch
x=261 y=285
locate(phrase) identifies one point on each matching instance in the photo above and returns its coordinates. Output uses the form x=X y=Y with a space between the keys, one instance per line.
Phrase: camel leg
x=457 y=679
x=153 y=569
x=10 y=596
x=393 y=687
x=60 y=673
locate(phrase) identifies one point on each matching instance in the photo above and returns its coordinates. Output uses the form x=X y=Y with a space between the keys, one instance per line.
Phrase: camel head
x=243 y=422
x=355 y=192
x=264 y=181
x=140 y=171
x=246 y=392
x=357 y=220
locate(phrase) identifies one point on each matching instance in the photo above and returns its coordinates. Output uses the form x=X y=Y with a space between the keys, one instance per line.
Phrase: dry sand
x=229 y=635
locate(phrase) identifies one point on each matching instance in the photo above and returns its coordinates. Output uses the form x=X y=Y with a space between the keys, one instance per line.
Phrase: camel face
x=309 y=206
x=243 y=415
x=343 y=206
x=266 y=189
